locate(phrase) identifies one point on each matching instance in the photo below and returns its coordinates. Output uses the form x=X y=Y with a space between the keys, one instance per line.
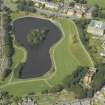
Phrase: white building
x=96 y=28
x=40 y=1
x=70 y=12
x=51 y=5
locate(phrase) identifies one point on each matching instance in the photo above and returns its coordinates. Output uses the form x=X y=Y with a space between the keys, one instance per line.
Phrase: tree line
x=8 y=45
x=26 y=5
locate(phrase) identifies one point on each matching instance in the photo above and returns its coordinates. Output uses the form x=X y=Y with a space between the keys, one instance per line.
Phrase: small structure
x=70 y=12
x=27 y=101
x=99 y=97
x=79 y=13
x=51 y=5
x=40 y=1
x=88 y=76
x=102 y=53
x=84 y=7
x=85 y=102
x=81 y=10
x=96 y=28
x=77 y=6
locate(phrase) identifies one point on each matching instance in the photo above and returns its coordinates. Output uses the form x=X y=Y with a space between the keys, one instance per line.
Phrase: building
x=84 y=7
x=79 y=13
x=96 y=28
x=88 y=77
x=51 y=5
x=85 y=102
x=27 y=101
x=99 y=97
x=40 y=1
x=102 y=53
x=70 y=12
x=80 y=10
x=78 y=6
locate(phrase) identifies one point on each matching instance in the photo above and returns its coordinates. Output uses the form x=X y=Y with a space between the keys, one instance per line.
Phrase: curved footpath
x=92 y=63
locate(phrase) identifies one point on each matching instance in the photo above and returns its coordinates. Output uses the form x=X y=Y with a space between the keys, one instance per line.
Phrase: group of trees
x=5 y=98
x=99 y=78
x=9 y=99
x=72 y=83
x=26 y=5
x=8 y=33
x=82 y=28
x=37 y=36
x=8 y=46
x=101 y=12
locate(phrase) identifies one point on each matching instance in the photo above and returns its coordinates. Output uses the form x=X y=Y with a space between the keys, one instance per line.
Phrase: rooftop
x=97 y=24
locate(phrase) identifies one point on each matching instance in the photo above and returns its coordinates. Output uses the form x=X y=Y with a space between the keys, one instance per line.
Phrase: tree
x=75 y=77
x=37 y=36
x=26 y=5
x=5 y=98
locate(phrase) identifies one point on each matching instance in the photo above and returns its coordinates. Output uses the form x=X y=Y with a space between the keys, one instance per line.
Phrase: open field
x=64 y=56
x=22 y=88
x=101 y=3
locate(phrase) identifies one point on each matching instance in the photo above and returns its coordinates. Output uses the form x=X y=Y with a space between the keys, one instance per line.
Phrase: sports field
x=66 y=56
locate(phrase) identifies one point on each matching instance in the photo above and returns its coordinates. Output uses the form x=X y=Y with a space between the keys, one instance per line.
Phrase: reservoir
x=38 y=59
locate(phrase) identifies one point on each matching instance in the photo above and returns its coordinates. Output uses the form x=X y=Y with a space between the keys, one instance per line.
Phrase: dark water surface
x=38 y=60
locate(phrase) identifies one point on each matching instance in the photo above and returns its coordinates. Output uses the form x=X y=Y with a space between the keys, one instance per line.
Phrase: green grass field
x=23 y=88
x=66 y=57
x=69 y=56
x=101 y=3
x=19 y=56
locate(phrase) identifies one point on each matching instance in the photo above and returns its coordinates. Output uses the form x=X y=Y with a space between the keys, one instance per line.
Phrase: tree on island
x=37 y=36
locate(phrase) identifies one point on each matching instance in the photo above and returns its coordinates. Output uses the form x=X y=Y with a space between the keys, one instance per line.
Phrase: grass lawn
x=10 y=4
x=19 y=56
x=65 y=58
x=101 y=3
x=23 y=88
x=67 y=55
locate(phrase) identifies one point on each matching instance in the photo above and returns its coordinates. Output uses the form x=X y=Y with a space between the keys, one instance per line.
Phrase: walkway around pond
x=47 y=80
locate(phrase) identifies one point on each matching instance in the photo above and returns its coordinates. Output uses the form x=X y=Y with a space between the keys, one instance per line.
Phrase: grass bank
x=101 y=3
